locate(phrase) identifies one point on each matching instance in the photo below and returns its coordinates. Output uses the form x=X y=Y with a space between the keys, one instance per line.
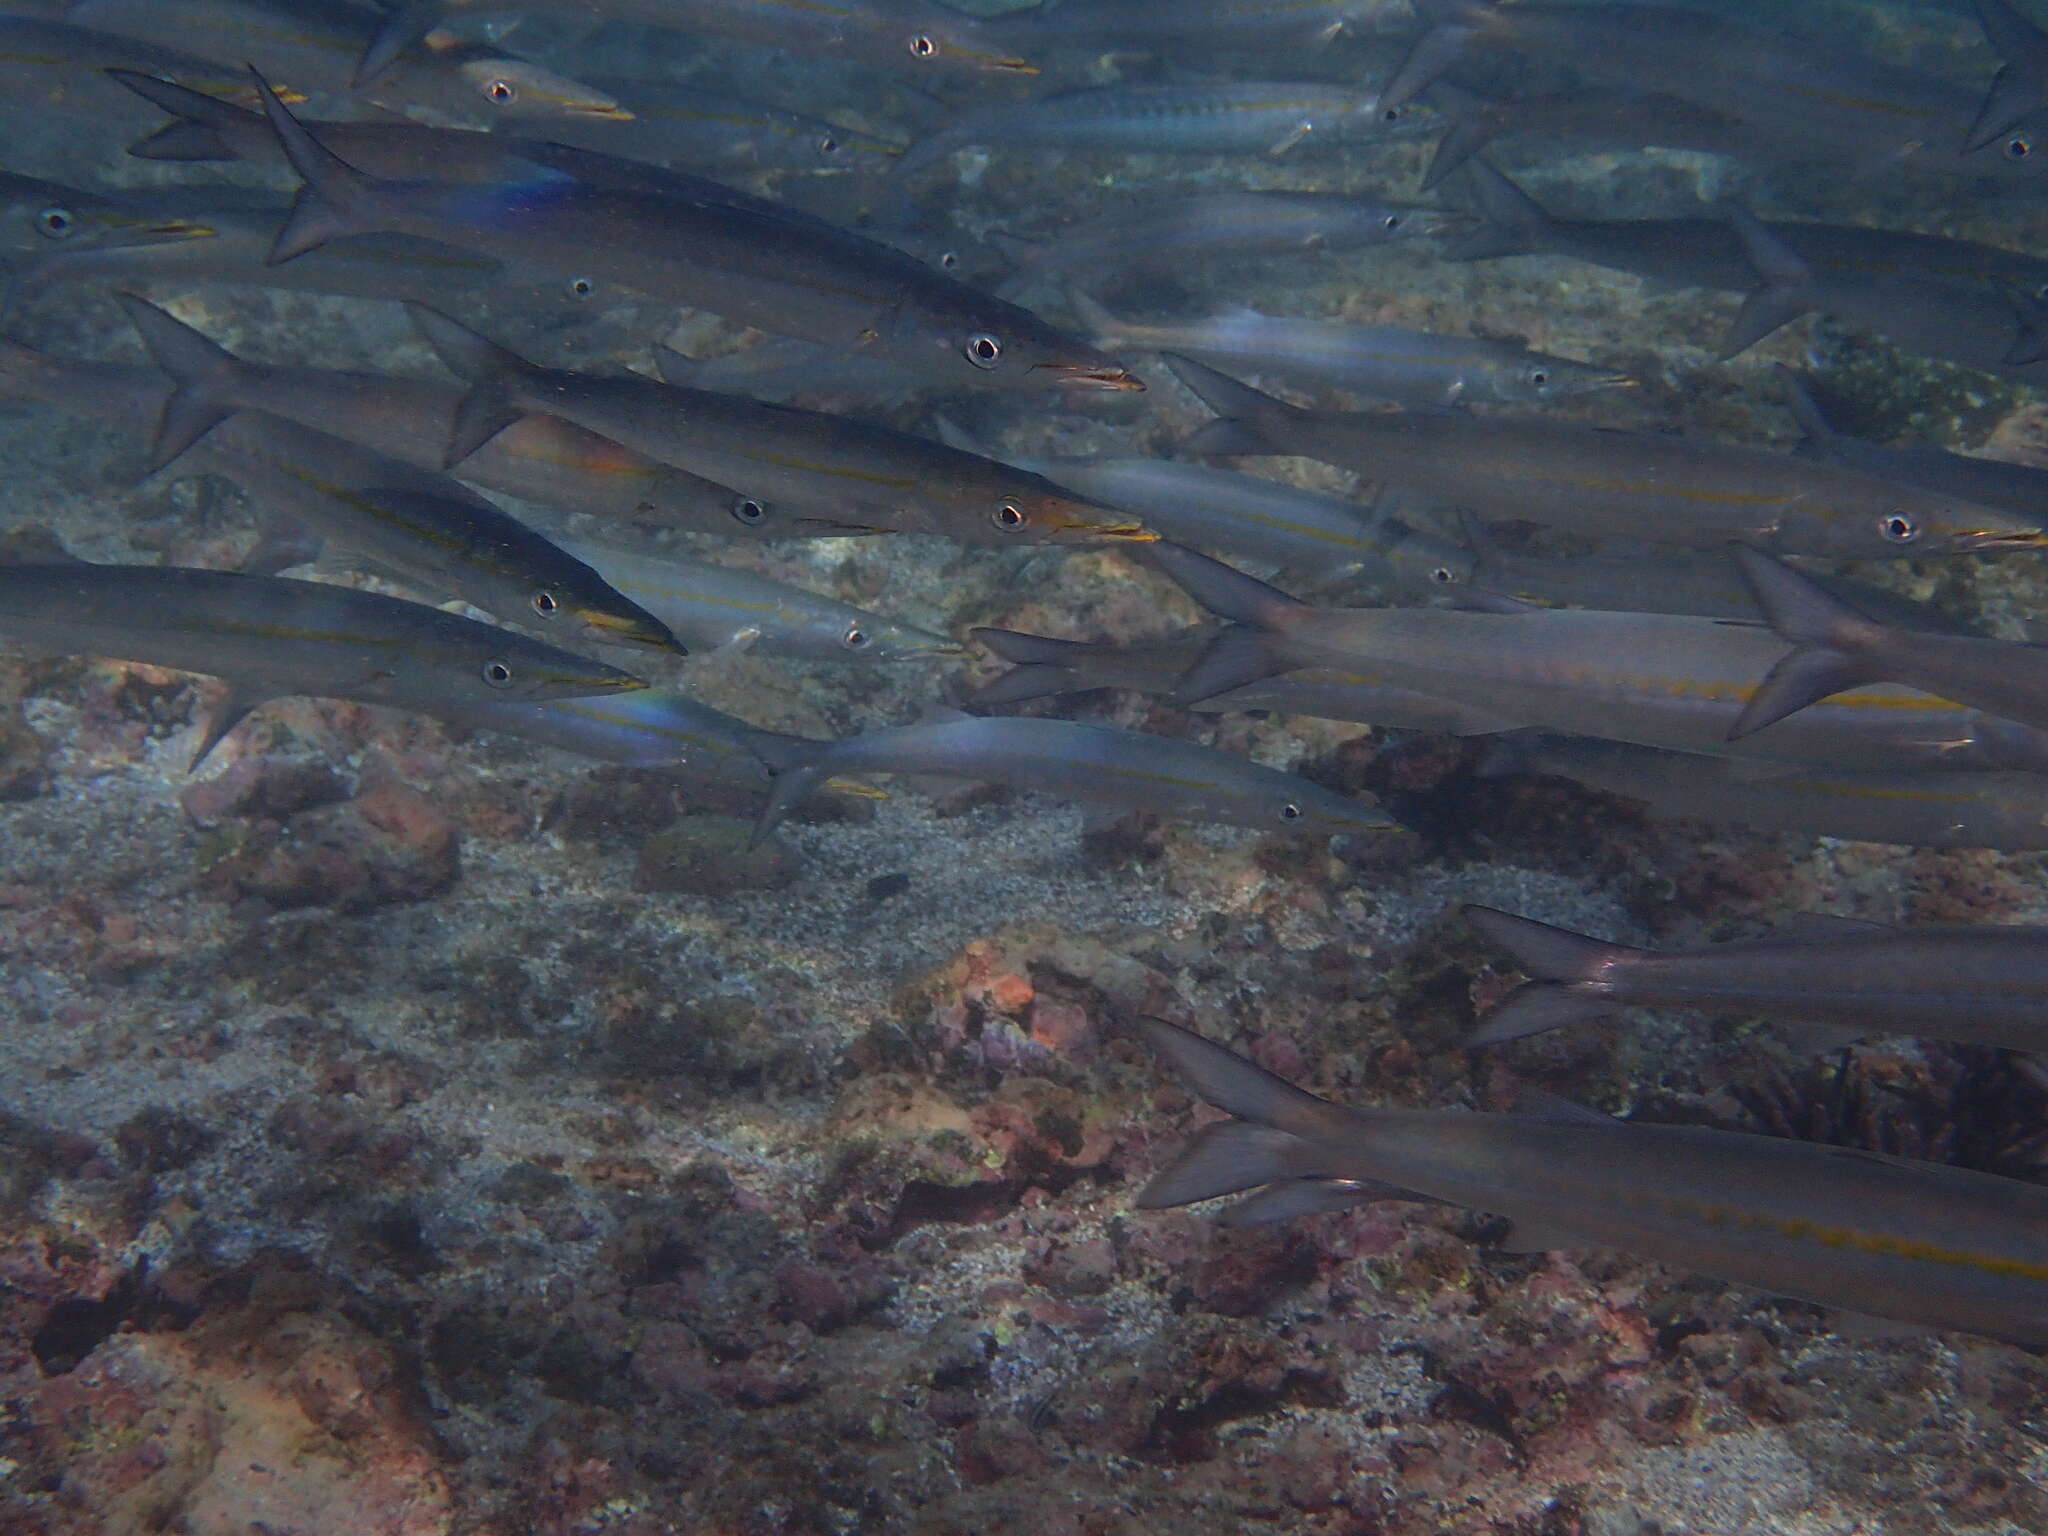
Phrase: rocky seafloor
x=408 y=1132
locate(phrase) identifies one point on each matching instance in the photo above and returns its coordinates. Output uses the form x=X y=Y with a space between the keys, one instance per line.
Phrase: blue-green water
x=440 y=1111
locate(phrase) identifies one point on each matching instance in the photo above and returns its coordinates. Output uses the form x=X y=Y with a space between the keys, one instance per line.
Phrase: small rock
x=24 y=758
x=388 y=846
x=275 y=788
x=708 y=856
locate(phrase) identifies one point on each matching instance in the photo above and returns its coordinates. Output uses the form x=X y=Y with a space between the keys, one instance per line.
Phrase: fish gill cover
x=768 y=638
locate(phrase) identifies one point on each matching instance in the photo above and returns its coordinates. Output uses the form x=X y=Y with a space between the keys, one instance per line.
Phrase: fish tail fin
x=1239 y=409
x=798 y=765
x=1833 y=646
x=1024 y=650
x=1785 y=288
x=200 y=119
x=2021 y=84
x=321 y=212
x=1452 y=26
x=491 y=371
x=1223 y=590
x=1472 y=127
x=400 y=27
x=1562 y=966
x=1512 y=223
x=1039 y=667
x=1243 y=653
x=1227 y=1158
x=1230 y=1082
x=201 y=372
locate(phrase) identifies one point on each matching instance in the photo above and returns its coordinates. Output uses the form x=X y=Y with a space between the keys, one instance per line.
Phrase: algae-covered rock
x=709 y=856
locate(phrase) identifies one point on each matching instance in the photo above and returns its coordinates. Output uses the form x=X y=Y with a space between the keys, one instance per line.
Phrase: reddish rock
x=274 y=788
x=388 y=846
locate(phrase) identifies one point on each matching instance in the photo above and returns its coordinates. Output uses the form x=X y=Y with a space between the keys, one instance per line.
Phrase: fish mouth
x=2023 y=538
x=564 y=685
x=949 y=650
x=601 y=111
x=1098 y=376
x=1004 y=64
x=1124 y=533
x=632 y=629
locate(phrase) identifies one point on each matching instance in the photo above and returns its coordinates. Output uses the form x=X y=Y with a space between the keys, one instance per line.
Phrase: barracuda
x=820 y=473
x=1386 y=362
x=735 y=255
x=1124 y=770
x=1605 y=483
x=1920 y=808
x=1983 y=985
x=1655 y=679
x=270 y=637
x=313 y=46
x=1886 y=1236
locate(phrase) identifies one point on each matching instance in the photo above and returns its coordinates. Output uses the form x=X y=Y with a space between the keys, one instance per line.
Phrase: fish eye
x=922 y=47
x=1898 y=528
x=501 y=93
x=1539 y=378
x=1443 y=575
x=1391 y=222
x=581 y=287
x=749 y=511
x=57 y=223
x=983 y=350
x=948 y=260
x=1010 y=517
x=1290 y=812
x=1392 y=114
x=855 y=638
x=2018 y=147
x=828 y=145
x=497 y=674
x=545 y=604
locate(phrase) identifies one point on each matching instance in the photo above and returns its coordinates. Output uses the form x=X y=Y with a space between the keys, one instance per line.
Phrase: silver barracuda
x=1045 y=668
x=1655 y=679
x=1984 y=984
x=1241 y=117
x=1386 y=362
x=709 y=605
x=1885 y=1236
x=1607 y=483
x=270 y=636
x=1924 y=808
x=1124 y=770
x=810 y=467
x=734 y=255
x=1251 y=516
x=312 y=46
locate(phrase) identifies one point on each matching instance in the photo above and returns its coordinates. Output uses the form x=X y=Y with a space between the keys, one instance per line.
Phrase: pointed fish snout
x=1091 y=376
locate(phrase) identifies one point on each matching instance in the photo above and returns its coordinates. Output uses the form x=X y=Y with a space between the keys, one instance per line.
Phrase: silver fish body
x=710 y=605
x=1046 y=668
x=272 y=636
x=838 y=475
x=726 y=252
x=1124 y=770
x=1886 y=1236
x=1918 y=808
x=1657 y=680
x=1981 y=984
x=1253 y=517
x=1612 y=484
x=1386 y=362
x=1223 y=118
x=314 y=45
